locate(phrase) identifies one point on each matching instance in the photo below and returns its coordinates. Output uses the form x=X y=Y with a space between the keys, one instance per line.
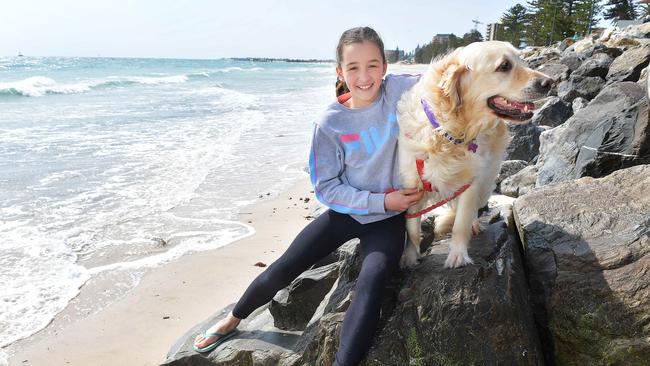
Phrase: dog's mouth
x=511 y=109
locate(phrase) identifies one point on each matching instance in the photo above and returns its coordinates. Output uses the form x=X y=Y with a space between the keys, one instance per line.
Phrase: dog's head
x=489 y=78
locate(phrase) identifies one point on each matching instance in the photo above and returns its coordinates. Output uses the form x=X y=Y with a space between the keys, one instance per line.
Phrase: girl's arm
x=325 y=170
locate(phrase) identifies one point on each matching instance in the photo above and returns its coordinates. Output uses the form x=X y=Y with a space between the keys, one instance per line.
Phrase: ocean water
x=109 y=166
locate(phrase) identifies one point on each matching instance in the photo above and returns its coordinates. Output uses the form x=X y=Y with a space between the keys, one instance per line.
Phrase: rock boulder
x=586 y=247
x=608 y=134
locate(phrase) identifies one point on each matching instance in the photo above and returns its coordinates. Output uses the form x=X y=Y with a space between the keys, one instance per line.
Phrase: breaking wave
x=38 y=86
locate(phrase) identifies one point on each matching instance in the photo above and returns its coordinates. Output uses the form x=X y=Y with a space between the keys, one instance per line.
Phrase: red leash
x=426 y=185
x=439 y=203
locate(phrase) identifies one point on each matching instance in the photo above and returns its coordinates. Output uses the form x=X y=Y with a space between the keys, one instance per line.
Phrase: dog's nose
x=543 y=84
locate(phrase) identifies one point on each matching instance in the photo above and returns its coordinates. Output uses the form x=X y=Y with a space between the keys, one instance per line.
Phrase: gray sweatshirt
x=353 y=158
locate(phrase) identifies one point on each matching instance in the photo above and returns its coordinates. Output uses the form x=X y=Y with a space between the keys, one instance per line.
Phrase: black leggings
x=382 y=243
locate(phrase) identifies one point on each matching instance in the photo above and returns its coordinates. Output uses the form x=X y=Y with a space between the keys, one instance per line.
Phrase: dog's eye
x=505 y=66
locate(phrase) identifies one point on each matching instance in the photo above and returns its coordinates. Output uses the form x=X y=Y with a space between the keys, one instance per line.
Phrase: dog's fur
x=458 y=87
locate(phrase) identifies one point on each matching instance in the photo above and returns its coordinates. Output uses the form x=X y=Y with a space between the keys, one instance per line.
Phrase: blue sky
x=215 y=29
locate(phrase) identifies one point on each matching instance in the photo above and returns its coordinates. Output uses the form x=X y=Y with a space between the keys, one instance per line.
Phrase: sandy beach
x=140 y=328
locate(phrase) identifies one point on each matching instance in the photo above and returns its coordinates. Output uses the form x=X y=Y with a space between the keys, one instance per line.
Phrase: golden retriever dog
x=453 y=136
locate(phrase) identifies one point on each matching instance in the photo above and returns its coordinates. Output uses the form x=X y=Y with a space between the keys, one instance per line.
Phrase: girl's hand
x=402 y=199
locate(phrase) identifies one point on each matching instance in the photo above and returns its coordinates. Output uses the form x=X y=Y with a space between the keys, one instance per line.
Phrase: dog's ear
x=450 y=84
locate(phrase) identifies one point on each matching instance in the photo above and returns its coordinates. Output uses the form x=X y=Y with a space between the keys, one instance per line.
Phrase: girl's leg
x=319 y=238
x=322 y=236
x=381 y=249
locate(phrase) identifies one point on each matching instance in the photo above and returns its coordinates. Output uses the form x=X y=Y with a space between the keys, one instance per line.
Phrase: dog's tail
x=444 y=224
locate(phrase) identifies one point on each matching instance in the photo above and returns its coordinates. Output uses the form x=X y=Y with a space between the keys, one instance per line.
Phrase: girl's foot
x=223 y=326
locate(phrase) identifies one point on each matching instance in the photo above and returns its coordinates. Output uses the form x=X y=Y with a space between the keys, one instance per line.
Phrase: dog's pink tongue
x=505 y=103
x=501 y=101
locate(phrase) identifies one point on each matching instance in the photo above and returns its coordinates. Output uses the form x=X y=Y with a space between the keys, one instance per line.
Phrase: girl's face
x=362 y=69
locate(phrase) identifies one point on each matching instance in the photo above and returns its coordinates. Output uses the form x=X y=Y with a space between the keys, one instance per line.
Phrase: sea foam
x=38 y=86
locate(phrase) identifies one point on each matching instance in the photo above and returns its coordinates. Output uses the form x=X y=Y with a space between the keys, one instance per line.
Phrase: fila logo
x=371 y=139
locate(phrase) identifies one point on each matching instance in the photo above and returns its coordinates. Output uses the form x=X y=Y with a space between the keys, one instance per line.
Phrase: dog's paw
x=410 y=257
x=476 y=227
x=458 y=258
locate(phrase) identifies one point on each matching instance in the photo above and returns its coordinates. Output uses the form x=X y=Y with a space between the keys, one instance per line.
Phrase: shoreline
x=139 y=327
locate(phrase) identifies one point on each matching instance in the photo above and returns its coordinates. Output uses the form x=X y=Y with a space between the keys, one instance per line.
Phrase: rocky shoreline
x=561 y=275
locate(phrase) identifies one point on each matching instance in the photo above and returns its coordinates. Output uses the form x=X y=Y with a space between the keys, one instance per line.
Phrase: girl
x=352 y=164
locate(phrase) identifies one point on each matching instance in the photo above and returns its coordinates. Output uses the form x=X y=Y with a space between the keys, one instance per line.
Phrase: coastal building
x=493 y=31
x=395 y=55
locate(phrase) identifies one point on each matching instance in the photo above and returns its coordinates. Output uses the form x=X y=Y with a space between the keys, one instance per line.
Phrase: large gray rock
x=643 y=79
x=536 y=61
x=564 y=44
x=509 y=168
x=624 y=43
x=637 y=31
x=612 y=52
x=597 y=65
x=555 y=71
x=578 y=104
x=583 y=48
x=524 y=144
x=540 y=55
x=520 y=183
x=474 y=315
x=580 y=86
x=629 y=65
x=617 y=147
x=258 y=343
x=627 y=37
x=293 y=306
x=586 y=246
x=609 y=134
x=553 y=113
x=572 y=59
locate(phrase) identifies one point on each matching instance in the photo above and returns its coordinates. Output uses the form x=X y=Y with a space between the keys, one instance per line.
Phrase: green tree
x=514 y=22
x=541 y=22
x=564 y=24
x=550 y=21
x=620 y=10
x=586 y=16
x=432 y=50
x=454 y=42
x=472 y=36
x=423 y=54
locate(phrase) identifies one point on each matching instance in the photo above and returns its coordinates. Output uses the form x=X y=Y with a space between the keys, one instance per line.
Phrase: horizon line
x=237 y=58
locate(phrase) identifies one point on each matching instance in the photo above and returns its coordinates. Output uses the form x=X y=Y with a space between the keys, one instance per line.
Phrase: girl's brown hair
x=356 y=35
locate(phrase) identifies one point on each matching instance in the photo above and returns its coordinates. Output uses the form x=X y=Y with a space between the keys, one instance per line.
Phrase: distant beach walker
x=102 y=158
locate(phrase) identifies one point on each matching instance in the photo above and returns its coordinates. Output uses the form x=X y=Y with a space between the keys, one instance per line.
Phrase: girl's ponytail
x=341 y=87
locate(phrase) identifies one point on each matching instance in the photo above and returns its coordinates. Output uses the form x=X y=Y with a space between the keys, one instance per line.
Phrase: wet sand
x=139 y=328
